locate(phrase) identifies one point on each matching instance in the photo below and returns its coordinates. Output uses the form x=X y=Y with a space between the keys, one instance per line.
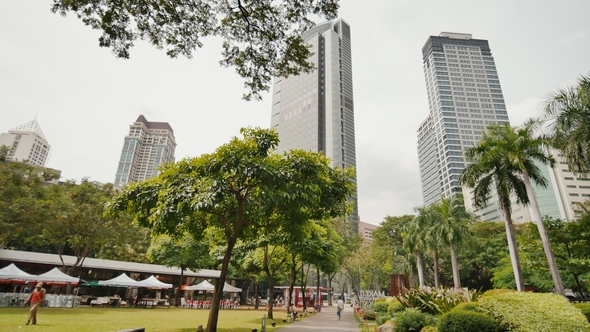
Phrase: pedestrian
x=340 y=306
x=36 y=299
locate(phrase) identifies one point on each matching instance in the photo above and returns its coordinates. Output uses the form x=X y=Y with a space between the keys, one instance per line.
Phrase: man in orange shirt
x=36 y=299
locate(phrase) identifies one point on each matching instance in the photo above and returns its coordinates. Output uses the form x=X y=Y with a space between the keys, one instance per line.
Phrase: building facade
x=464 y=97
x=26 y=142
x=146 y=147
x=315 y=111
x=366 y=230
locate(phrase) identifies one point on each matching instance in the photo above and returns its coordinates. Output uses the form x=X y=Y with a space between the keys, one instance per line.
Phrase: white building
x=315 y=111
x=26 y=143
x=464 y=96
x=147 y=146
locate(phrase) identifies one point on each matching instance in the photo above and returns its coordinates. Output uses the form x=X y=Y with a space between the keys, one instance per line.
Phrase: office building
x=26 y=143
x=315 y=111
x=464 y=96
x=147 y=146
x=366 y=230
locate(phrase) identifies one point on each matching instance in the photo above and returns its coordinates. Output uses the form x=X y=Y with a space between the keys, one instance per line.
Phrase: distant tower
x=26 y=142
x=147 y=146
x=315 y=111
x=464 y=96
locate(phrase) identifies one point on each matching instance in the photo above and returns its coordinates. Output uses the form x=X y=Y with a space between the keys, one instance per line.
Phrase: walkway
x=327 y=320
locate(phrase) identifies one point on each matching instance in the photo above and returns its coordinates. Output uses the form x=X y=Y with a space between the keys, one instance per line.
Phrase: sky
x=84 y=99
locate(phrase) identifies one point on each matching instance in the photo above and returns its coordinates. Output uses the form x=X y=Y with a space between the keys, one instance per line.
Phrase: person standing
x=340 y=306
x=36 y=299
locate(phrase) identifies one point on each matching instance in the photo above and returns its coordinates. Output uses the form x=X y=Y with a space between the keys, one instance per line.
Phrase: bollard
x=263 y=329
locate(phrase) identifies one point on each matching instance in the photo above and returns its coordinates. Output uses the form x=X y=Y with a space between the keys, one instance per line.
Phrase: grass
x=115 y=319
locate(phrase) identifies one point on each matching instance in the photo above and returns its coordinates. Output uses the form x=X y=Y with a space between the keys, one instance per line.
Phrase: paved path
x=327 y=320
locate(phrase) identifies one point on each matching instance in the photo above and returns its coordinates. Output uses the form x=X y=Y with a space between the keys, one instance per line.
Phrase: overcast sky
x=85 y=99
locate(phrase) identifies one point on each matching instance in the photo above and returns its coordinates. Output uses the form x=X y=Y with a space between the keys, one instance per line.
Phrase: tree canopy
x=261 y=39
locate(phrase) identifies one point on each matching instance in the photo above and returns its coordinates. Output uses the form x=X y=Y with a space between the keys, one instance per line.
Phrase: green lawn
x=114 y=319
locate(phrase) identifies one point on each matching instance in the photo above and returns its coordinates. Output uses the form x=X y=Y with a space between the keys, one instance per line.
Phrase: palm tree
x=452 y=228
x=568 y=115
x=414 y=242
x=425 y=228
x=505 y=158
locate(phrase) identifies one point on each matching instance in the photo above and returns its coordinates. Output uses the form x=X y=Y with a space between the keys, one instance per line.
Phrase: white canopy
x=205 y=285
x=231 y=289
x=152 y=282
x=56 y=275
x=121 y=281
x=14 y=273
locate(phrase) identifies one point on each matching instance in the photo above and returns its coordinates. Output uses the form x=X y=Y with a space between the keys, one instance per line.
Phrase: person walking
x=36 y=299
x=340 y=306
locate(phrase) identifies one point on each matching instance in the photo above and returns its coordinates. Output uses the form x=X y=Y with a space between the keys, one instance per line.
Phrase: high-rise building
x=464 y=96
x=147 y=146
x=26 y=143
x=315 y=111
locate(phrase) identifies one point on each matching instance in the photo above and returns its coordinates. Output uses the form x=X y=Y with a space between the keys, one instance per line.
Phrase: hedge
x=585 y=307
x=412 y=320
x=394 y=307
x=533 y=312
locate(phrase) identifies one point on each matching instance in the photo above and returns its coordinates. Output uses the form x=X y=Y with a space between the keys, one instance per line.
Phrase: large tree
x=567 y=113
x=261 y=39
x=235 y=190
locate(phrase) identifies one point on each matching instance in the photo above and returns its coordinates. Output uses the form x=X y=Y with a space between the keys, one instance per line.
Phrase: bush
x=429 y=328
x=436 y=301
x=380 y=307
x=412 y=320
x=585 y=307
x=370 y=315
x=491 y=292
x=394 y=307
x=382 y=319
x=534 y=312
x=467 y=306
x=467 y=321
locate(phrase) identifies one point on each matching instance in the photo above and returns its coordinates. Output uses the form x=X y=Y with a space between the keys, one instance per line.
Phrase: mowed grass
x=115 y=319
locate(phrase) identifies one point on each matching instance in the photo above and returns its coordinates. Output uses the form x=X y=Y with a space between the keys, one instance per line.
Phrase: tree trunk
x=256 y=298
x=318 y=289
x=420 y=268
x=512 y=245
x=580 y=290
x=177 y=297
x=455 y=266
x=436 y=268
x=544 y=238
x=292 y=278
x=330 y=291
x=218 y=293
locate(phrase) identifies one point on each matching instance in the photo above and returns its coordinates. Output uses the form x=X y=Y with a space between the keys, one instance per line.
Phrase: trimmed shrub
x=491 y=292
x=429 y=328
x=394 y=307
x=467 y=321
x=533 y=312
x=380 y=307
x=436 y=301
x=468 y=306
x=412 y=320
x=381 y=299
x=382 y=319
x=585 y=307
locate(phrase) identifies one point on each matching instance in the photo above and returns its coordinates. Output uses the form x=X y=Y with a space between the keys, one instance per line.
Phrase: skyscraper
x=315 y=111
x=147 y=146
x=464 y=96
x=26 y=142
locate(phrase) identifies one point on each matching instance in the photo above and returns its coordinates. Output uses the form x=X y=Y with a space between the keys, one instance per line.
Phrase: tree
x=427 y=229
x=4 y=150
x=415 y=242
x=184 y=252
x=491 y=169
x=261 y=39
x=390 y=237
x=235 y=190
x=568 y=114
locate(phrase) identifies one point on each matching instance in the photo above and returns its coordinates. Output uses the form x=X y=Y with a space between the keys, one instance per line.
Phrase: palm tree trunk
x=455 y=265
x=436 y=268
x=512 y=246
x=544 y=238
x=420 y=268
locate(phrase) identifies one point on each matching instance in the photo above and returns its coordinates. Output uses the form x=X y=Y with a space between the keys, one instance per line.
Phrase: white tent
x=152 y=282
x=121 y=281
x=14 y=273
x=56 y=275
x=205 y=285
x=231 y=289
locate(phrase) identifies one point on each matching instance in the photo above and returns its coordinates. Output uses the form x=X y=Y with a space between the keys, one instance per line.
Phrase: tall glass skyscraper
x=147 y=146
x=464 y=96
x=315 y=111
